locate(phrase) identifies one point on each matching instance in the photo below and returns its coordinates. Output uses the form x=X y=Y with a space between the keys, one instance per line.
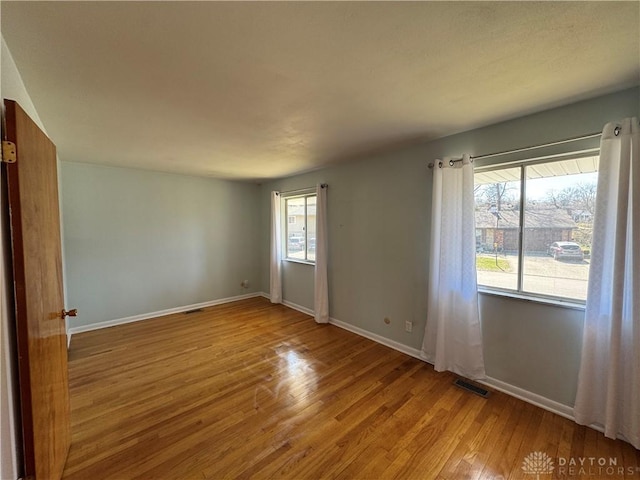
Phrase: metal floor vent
x=195 y=310
x=471 y=388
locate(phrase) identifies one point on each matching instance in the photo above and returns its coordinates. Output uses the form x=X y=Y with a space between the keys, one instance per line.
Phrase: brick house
x=542 y=227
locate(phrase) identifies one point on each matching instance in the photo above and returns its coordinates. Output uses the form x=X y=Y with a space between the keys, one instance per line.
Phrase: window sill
x=556 y=302
x=295 y=260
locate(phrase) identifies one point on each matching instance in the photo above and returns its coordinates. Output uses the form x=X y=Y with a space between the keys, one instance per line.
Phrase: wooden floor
x=254 y=390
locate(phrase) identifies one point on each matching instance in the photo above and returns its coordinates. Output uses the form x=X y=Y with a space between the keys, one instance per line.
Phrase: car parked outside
x=296 y=244
x=568 y=250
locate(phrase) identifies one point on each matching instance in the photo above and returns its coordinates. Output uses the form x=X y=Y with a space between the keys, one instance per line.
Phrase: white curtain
x=609 y=380
x=275 y=288
x=321 y=291
x=453 y=335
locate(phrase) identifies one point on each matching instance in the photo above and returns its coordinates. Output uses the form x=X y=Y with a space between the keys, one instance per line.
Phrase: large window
x=534 y=225
x=301 y=228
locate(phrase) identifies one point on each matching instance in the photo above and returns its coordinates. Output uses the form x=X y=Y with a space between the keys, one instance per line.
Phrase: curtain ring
x=451 y=163
x=616 y=131
x=440 y=164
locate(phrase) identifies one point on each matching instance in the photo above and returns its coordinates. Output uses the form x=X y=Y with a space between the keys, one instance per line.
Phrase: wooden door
x=32 y=187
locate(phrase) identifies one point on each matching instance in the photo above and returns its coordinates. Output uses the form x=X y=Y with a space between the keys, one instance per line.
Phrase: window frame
x=519 y=292
x=306 y=194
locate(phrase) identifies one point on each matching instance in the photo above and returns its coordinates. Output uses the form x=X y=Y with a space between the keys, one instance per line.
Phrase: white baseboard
x=413 y=352
x=297 y=307
x=292 y=305
x=540 y=401
x=161 y=313
x=530 y=397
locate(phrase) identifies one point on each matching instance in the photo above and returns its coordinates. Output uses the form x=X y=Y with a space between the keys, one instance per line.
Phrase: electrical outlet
x=408 y=326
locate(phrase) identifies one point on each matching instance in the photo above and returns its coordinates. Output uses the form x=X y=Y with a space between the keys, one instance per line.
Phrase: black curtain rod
x=524 y=149
x=302 y=190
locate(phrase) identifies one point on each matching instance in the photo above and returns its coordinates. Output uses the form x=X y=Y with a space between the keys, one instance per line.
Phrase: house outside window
x=539 y=246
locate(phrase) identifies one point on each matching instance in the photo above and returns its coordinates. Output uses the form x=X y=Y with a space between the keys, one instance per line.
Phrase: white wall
x=379 y=217
x=139 y=241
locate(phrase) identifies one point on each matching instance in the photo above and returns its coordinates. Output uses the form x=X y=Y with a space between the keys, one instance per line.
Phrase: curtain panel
x=609 y=380
x=321 y=288
x=275 y=260
x=453 y=335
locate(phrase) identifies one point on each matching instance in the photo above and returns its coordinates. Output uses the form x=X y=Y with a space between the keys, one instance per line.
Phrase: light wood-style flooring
x=254 y=390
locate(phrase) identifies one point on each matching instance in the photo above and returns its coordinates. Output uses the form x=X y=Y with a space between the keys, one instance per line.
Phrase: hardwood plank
x=254 y=390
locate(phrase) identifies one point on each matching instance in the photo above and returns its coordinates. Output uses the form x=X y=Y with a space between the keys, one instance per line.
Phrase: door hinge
x=8 y=152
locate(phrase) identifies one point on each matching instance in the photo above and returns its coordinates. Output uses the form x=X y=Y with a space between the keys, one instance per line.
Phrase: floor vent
x=195 y=310
x=471 y=388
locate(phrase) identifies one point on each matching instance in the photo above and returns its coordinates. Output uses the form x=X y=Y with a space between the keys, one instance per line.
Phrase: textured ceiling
x=260 y=90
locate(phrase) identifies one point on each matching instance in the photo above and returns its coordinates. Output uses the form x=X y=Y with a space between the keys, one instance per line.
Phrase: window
x=534 y=224
x=301 y=228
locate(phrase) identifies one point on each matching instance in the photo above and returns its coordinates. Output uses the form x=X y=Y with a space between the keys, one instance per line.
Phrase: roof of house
x=534 y=218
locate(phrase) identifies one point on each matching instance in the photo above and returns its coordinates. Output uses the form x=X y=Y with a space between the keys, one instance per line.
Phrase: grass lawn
x=489 y=264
